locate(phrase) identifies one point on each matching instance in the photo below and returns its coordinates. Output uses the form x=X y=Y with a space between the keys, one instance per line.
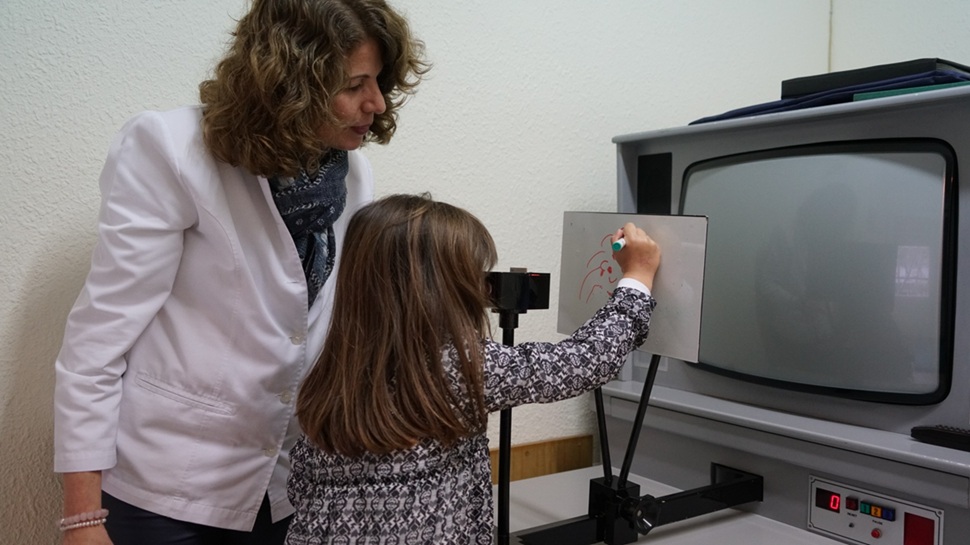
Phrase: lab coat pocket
x=174 y=393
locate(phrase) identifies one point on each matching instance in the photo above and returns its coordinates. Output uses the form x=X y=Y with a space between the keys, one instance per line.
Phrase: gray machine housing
x=697 y=417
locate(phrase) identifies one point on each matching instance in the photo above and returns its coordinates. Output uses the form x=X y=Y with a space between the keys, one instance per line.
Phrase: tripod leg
x=504 y=474
x=638 y=421
x=604 y=440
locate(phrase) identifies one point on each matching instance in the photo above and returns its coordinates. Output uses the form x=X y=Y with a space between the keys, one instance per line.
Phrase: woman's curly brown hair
x=273 y=91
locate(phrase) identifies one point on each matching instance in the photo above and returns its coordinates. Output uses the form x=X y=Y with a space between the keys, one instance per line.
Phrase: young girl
x=395 y=410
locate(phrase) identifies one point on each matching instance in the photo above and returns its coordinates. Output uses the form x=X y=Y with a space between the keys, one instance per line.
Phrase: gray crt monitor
x=833 y=277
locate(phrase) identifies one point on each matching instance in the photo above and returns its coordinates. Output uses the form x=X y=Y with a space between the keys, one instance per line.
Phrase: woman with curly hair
x=211 y=287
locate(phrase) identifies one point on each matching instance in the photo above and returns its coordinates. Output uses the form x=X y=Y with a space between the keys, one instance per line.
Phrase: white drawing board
x=589 y=274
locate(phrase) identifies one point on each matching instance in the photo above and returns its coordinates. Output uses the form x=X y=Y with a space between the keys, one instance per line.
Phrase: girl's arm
x=546 y=372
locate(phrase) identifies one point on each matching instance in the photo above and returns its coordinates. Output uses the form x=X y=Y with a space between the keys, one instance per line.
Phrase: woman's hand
x=640 y=256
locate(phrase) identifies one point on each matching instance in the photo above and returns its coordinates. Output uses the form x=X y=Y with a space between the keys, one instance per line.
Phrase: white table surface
x=552 y=498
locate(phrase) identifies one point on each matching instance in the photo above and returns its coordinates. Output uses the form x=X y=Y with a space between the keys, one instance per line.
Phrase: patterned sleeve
x=537 y=372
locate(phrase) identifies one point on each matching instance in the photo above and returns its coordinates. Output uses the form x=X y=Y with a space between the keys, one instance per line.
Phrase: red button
x=877 y=533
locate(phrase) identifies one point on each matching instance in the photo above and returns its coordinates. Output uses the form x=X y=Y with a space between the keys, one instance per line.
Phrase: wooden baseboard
x=546 y=457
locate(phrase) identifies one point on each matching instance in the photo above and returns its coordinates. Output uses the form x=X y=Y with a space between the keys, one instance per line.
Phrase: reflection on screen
x=913 y=271
x=824 y=269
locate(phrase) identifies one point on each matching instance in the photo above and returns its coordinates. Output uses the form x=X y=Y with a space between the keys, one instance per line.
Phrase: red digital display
x=828 y=500
x=918 y=530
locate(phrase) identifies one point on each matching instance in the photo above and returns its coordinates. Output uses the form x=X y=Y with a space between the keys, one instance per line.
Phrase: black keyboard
x=944 y=436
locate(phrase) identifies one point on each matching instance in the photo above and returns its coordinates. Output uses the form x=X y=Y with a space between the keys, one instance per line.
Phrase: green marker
x=618 y=245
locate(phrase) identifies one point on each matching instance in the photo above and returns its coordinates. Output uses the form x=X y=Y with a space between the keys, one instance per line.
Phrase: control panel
x=854 y=515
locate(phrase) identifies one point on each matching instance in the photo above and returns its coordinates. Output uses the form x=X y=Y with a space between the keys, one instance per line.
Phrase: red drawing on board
x=603 y=272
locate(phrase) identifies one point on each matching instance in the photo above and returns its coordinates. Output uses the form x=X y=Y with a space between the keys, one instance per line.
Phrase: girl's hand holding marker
x=636 y=253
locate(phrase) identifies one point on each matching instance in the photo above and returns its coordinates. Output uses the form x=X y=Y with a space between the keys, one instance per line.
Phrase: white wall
x=514 y=123
x=869 y=32
x=517 y=118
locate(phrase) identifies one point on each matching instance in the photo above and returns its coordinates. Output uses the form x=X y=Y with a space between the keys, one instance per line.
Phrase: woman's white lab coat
x=182 y=356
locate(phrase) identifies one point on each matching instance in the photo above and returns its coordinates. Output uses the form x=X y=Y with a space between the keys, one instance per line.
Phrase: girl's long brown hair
x=411 y=280
x=273 y=90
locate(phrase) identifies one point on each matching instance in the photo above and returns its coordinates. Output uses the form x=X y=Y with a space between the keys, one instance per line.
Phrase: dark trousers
x=129 y=525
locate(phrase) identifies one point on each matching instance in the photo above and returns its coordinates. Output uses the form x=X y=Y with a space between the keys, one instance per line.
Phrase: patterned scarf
x=309 y=207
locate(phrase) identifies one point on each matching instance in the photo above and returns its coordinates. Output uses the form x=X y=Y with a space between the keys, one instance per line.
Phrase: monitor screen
x=829 y=267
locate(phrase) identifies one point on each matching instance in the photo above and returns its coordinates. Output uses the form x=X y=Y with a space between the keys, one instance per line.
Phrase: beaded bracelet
x=83 y=520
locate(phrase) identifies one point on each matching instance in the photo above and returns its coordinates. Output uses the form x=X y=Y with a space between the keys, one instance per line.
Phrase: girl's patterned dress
x=430 y=494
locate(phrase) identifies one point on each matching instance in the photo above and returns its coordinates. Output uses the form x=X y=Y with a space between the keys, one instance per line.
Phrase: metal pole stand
x=512 y=293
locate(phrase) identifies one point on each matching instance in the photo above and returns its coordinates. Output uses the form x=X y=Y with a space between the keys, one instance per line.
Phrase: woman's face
x=356 y=105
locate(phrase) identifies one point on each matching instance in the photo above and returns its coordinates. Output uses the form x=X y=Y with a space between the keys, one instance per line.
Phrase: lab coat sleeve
x=144 y=210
